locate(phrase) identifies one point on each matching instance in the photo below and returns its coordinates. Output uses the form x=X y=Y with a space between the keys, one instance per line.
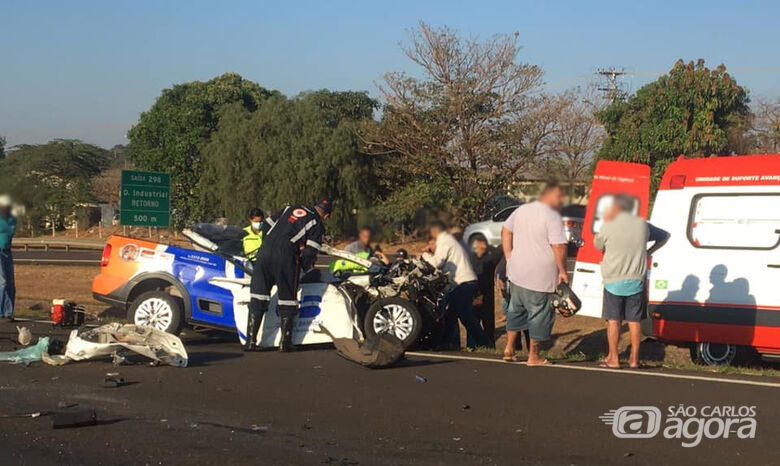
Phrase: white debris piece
x=106 y=339
x=25 y=336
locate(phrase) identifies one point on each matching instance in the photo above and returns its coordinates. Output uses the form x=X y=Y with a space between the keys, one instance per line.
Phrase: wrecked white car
x=404 y=299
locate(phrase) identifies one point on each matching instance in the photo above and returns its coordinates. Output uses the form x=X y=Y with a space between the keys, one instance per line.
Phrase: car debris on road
x=25 y=336
x=108 y=339
x=113 y=340
x=26 y=355
x=375 y=352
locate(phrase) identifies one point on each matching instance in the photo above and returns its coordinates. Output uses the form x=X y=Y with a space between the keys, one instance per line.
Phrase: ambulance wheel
x=157 y=309
x=396 y=316
x=721 y=354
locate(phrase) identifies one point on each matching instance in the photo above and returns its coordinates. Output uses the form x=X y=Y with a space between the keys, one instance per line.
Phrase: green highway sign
x=146 y=199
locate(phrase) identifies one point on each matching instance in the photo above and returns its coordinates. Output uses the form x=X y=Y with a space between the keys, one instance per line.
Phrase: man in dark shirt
x=292 y=238
x=484 y=259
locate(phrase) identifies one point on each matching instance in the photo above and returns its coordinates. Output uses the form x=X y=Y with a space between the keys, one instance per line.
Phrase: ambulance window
x=602 y=206
x=729 y=221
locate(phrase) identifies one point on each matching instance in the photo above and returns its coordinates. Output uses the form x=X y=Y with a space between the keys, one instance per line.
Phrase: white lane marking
x=604 y=369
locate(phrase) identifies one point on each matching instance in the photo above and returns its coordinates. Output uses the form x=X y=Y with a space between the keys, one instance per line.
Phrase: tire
x=157 y=309
x=475 y=237
x=394 y=315
x=721 y=354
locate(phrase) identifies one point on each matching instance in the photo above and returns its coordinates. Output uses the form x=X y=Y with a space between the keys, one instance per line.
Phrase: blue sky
x=86 y=69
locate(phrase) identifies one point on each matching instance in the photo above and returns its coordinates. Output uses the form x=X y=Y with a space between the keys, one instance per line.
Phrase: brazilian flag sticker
x=661 y=284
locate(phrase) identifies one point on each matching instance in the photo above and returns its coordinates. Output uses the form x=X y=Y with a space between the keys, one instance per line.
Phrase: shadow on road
x=206 y=358
x=418 y=363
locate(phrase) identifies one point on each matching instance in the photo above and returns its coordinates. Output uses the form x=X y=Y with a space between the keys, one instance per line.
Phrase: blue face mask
x=256 y=225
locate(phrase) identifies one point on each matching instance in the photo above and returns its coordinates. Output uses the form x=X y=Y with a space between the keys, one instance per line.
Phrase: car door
x=609 y=178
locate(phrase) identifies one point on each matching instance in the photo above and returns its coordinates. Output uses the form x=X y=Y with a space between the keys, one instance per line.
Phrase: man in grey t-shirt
x=534 y=243
x=623 y=238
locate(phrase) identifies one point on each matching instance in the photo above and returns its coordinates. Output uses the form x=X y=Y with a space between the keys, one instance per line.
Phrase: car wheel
x=157 y=309
x=721 y=354
x=475 y=237
x=395 y=316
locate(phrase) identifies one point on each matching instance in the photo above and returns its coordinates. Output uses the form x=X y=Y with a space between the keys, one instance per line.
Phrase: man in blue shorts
x=623 y=238
x=534 y=243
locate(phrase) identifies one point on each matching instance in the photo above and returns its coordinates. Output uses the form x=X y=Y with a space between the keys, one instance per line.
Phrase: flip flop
x=603 y=363
x=510 y=357
x=537 y=364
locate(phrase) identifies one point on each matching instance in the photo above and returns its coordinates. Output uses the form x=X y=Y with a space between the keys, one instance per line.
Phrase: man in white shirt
x=534 y=243
x=451 y=257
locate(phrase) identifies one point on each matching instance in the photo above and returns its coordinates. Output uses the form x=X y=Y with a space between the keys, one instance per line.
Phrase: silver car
x=573 y=218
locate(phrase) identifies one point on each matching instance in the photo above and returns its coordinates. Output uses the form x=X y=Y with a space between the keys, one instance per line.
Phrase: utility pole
x=613 y=89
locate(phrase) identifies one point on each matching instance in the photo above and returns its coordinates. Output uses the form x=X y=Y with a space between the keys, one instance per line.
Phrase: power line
x=613 y=89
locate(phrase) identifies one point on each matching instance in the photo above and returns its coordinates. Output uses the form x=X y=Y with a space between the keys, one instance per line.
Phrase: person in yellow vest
x=254 y=234
x=361 y=248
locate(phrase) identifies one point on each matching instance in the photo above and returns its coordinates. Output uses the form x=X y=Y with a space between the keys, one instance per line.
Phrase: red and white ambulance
x=715 y=286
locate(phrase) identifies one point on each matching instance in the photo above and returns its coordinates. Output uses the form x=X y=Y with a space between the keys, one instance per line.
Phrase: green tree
x=689 y=111
x=169 y=136
x=51 y=179
x=290 y=151
x=2 y=147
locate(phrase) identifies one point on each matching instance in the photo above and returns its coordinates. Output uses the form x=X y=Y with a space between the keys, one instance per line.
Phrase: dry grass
x=38 y=285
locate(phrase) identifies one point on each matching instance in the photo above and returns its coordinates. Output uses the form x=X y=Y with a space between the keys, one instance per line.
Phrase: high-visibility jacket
x=343 y=265
x=252 y=242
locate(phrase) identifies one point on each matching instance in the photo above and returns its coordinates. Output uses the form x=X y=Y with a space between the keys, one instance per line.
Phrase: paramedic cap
x=5 y=201
x=326 y=206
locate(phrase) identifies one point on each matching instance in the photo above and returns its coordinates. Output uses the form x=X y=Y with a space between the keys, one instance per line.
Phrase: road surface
x=312 y=407
x=58 y=257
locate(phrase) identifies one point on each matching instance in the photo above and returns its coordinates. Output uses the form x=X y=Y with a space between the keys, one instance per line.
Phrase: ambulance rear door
x=610 y=178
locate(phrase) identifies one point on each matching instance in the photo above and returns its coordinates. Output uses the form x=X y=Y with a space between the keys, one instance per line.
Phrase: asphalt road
x=312 y=407
x=58 y=257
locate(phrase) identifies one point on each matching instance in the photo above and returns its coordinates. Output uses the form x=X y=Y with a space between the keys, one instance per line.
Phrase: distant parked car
x=573 y=218
x=489 y=230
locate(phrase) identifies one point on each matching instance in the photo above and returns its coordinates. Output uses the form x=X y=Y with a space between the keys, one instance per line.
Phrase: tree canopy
x=168 y=137
x=290 y=151
x=765 y=127
x=689 y=111
x=51 y=179
x=459 y=129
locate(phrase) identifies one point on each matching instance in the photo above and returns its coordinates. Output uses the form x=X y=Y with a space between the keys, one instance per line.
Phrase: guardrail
x=27 y=244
